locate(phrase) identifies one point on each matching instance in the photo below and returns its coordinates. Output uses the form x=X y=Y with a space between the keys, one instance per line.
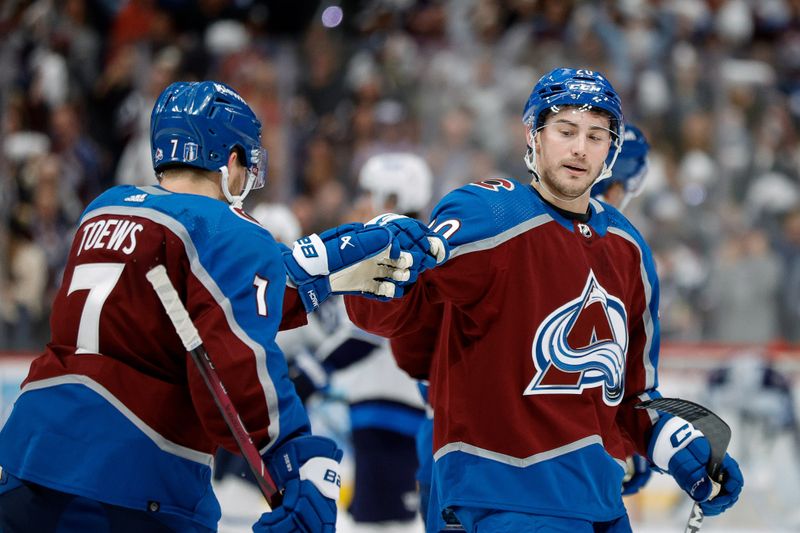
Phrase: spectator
x=743 y=290
x=715 y=84
x=24 y=291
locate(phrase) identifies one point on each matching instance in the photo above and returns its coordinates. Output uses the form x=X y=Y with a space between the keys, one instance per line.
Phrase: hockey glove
x=427 y=248
x=681 y=450
x=637 y=474
x=308 y=469
x=348 y=259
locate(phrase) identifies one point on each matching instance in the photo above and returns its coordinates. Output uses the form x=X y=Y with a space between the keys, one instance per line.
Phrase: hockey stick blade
x=715 y=430
x=190 y=338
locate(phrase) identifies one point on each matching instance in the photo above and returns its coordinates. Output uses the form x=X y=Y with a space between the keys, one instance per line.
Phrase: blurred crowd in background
x=714 y=84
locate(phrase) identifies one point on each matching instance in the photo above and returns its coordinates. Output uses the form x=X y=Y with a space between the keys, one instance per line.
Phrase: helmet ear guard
x=198 y=124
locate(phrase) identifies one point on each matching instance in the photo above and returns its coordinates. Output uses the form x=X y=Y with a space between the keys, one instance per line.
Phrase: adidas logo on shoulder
x=136 y=198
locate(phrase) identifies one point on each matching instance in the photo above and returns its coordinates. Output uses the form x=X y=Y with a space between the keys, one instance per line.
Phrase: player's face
x=570 y=150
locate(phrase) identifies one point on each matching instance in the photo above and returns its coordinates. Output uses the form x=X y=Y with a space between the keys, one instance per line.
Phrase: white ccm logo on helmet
x=584 y=87
x=582 y=345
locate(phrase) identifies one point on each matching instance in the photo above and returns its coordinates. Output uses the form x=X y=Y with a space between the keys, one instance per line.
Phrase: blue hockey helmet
x=198 y=124
x=631 y=166
x=585 y=89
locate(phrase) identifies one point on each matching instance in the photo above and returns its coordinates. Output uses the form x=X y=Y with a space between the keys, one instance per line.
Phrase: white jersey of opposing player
x=406 y=177
x=375 y=376
x=279 y=220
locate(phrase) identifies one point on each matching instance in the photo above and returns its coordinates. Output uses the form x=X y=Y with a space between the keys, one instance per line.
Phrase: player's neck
x=579 y=205
x=191 y=182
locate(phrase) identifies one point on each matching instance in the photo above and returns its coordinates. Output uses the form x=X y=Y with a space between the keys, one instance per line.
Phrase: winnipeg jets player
x=386 y=409
x=114 y=429
x=756 y=397
x=547 y=336
x=384 y=404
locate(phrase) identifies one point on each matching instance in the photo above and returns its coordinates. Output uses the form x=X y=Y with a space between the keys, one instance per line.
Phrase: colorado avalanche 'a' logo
x=582 y=344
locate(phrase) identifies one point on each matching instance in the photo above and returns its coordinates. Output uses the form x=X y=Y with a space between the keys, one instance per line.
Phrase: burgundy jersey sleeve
x=294 y=314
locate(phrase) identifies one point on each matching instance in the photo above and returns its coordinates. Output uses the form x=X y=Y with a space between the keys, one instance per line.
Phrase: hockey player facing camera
x=546 y=319
x=114 y=429
x=626 y=182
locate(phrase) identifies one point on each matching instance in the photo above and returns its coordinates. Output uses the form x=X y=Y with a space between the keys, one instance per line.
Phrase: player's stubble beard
x=565 y=189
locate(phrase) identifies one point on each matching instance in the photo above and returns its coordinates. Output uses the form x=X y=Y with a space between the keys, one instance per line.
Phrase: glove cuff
x=670 y=435
x=312 y=289
x=311 y=458
x=285 y=462
x=310 y=254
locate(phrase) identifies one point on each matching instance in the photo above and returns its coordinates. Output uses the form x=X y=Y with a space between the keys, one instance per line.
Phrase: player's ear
x=233 y=157
x=534 y=140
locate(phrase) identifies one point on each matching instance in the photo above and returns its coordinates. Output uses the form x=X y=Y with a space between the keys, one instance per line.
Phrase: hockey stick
x=715 y=430
x=194 y=345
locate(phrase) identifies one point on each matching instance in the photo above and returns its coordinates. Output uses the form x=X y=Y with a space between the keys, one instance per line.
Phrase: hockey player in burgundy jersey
x=626 y=182
x=114 y=429
x=546 y=319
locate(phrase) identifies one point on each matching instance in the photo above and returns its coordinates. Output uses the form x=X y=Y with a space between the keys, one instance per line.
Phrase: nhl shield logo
x=585 y=230
x=582 y=344
x=189 y=152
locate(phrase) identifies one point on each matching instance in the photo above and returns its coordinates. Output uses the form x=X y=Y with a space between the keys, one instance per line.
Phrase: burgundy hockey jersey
x=539 y=335
x=114 y=409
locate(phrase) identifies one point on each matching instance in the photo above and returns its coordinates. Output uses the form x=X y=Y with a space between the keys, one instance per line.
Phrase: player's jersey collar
x=569 y=215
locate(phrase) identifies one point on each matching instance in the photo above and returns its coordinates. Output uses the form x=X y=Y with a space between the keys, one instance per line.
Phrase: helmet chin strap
x=235 y=201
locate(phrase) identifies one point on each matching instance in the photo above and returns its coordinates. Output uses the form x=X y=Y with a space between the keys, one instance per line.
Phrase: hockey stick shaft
x=191 y=341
